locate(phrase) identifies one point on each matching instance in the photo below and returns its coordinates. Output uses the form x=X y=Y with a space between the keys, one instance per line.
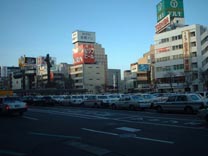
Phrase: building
x=181 y=51
x=89 y=70
x=181 y=56
x=114 y=80
x=89 y=76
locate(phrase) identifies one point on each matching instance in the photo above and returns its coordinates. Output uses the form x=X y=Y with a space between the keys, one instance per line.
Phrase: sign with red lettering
x=162 y=24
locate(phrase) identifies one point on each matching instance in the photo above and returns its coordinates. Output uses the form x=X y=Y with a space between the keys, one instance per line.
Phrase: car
x=203 y=114
x=127 y=102
x=92 y=101
x=188 y=103
x=12 y=105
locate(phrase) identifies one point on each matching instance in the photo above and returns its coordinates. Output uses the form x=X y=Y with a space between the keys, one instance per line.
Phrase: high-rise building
x=89 y=70
x=181 y=51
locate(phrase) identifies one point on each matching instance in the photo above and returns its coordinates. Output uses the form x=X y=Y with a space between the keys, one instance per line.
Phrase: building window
x=194 y=54
x=193 y=44
x=193 y=34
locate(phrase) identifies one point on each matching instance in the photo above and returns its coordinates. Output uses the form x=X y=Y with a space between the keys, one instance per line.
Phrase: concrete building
x=89 y=70
x=181 y=57
x=89 y=76
x=114 y=80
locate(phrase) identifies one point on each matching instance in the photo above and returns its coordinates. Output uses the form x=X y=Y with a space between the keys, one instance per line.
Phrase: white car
x=12 y=105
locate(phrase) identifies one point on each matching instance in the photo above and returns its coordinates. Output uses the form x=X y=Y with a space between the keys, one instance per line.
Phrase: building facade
x=89 y=69
x=181 y=58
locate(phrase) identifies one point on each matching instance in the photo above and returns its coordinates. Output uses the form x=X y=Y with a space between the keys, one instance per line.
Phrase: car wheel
x=189 y=110
x=159 y=109
x=113 y=106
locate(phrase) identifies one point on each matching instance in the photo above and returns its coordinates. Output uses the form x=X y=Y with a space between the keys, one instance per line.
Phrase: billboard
x=84 y=54
x=186 y=50
x=27 y=61
x=164 y=23
x=83 y=36
x=144 y=67
x=172 y=7
x=134 y=67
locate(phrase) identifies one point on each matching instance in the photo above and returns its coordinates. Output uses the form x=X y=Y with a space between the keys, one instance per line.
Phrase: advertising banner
x=144 y=67
x=83 y=36
x=186 y=50
x=172 y=7
x=164 y=23
x=84 y=53
x=30 y=61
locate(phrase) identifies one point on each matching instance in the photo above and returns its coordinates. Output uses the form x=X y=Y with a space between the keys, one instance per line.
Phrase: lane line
x=98 y=151
x=30 y=118
x=13 y=153
x=136 y=137
x=160 y=124
x=128 y=129
x=54 y=135
x=101 y=132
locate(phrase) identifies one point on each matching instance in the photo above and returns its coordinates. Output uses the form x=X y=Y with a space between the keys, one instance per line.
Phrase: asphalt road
x=101 y=132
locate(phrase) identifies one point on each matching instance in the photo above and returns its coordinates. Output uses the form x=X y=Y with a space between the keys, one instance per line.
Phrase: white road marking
x=89 y=148
x=128 y=129
x=141 y=138
x=30 y=118
x=54 y=135
x=101 y=132
x=160 y=124
x=11 y=153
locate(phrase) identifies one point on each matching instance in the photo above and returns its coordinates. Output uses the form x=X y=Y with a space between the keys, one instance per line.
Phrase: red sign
x=84 y=53
x=164 y=49
x=162 y=24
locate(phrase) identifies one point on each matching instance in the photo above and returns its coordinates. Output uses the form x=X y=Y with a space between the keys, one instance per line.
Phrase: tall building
x=114 y=80
x=89 y=70
x=181 y=51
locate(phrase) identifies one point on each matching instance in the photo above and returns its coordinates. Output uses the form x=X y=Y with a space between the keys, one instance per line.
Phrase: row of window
x=174 y=38
x=174 y=57
x=175 y=67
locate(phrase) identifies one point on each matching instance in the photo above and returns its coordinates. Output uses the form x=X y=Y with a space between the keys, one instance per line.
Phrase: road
x=101 y=132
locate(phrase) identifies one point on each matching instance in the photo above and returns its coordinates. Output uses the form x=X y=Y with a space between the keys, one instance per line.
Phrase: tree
x=170 y=76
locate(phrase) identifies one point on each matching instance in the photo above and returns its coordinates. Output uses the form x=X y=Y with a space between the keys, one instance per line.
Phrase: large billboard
x=144 y=67
x=172 y=7
x=83 y=36
x=84 y=54
x=161 y=25
x=27 y=61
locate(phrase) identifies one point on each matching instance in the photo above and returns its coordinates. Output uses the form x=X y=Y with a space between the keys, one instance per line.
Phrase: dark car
x=43 y=101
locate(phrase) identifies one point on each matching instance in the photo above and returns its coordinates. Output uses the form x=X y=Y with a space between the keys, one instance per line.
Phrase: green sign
x=172 y=7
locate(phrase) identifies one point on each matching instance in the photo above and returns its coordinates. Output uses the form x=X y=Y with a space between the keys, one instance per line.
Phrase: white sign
x=163 y=24
x=83 y=36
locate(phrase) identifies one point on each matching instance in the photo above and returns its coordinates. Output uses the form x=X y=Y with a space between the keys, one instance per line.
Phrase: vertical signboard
x=172 y=7
x=186 y=50
x=84 y=53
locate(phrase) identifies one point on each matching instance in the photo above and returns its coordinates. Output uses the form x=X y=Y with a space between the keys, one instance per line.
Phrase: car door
x=169 y=104
x=181 y=102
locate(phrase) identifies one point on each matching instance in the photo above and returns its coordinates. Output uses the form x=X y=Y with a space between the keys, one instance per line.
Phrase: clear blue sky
x=125 y=28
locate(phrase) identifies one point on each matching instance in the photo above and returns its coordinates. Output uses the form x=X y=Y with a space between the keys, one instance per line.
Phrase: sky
x=125 y=28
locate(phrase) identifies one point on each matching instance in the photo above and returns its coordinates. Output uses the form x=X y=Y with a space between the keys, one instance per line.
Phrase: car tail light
x=7 y=107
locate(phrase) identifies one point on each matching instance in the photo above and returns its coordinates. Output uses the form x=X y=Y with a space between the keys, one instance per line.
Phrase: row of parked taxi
x=189 y=103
